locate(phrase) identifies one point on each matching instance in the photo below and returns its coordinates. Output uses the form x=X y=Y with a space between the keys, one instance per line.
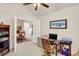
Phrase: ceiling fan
x=37 y=5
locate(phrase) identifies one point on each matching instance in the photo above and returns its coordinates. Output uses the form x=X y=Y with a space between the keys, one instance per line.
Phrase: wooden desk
x=59 y=42
x=56 y=43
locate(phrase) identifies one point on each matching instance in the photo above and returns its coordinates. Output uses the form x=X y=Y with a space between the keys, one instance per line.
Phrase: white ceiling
x=42 y=10
x=53 y=7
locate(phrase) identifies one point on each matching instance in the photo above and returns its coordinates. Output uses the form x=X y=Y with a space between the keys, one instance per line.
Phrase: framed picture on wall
x=58 y=24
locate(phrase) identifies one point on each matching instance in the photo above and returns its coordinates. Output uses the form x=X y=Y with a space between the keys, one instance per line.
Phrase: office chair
x=48 y=49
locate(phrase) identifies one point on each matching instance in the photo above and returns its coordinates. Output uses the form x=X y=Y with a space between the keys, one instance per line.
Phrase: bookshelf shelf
x=4 y=39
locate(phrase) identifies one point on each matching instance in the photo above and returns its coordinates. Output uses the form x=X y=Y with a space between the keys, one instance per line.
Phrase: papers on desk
x=57 y=41
x=52 y=40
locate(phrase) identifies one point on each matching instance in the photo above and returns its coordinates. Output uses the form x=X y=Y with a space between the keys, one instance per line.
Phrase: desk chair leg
x=47 y=53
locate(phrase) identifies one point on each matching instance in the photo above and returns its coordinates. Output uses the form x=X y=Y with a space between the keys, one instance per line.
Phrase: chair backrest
x=46 y=43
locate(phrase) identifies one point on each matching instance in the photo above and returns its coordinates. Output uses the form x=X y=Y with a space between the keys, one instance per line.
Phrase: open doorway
x=24 y=31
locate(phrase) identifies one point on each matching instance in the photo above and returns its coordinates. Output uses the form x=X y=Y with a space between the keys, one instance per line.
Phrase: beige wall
x=8 y=13
x=72 y=16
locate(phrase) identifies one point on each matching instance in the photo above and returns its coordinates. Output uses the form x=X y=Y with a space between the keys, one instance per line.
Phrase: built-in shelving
x=4 y=39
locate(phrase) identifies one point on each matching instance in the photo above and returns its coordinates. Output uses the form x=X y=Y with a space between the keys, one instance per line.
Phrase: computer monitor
x=53 y=36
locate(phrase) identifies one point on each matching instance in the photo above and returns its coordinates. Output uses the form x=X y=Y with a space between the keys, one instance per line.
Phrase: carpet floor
x=26 y=49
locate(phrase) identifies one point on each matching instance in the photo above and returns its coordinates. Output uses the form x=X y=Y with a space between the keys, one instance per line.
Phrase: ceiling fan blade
x=27 y=3
x=36 y=7
x=45 y=5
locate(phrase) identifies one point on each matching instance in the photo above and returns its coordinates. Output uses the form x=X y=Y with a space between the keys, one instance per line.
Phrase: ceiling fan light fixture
x=36 y=4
